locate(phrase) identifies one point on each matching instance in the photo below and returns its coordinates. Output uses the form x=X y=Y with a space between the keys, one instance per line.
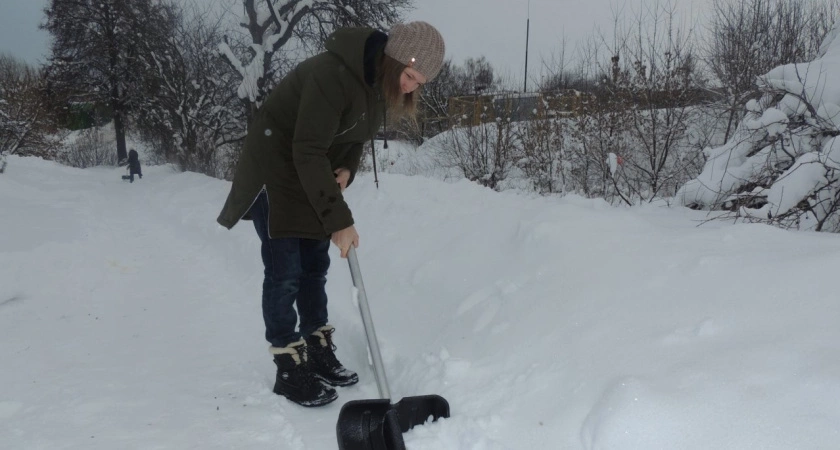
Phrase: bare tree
x=558 y=74
x=598 y=126
x=542 y=157
x=474 y=77
x=434 y=99
x=658 y=83
x=478 y=74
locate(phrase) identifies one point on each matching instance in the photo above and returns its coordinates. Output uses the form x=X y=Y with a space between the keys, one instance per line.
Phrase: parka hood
x=315 y=120
x=355 y=46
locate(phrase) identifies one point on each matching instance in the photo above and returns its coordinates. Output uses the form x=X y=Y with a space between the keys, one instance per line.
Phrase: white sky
x=19 y=33
x=497 y=29
x=472 y=28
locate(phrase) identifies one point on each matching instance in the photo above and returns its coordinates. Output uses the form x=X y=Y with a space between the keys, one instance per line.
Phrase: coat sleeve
x=319 y=114
x=351 y=161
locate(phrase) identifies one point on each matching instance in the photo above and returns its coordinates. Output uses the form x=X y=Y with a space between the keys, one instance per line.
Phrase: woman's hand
x=343 y=239
x=342 y=176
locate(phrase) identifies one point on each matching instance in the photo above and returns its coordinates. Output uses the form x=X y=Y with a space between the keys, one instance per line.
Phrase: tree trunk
x=119 y=129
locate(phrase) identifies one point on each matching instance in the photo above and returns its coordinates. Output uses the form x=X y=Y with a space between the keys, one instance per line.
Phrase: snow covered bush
x=782 y=164
x=748 y=38
x=485 y=153
x=542 y=159
x=89 y=148
x=628 y=137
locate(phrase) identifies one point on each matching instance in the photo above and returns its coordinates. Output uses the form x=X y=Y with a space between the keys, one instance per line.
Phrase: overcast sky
x=497 y=28
x=471 y=28
x=19 y=33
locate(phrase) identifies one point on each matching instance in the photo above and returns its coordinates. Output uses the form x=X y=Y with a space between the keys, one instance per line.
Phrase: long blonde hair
x=399 y=105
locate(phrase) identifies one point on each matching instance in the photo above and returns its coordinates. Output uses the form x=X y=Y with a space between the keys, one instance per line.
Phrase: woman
x=301 y=152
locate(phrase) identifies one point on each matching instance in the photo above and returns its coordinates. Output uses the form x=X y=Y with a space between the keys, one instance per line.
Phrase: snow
x=132 y=320
x=612 y=159
x=773 y=120
x=794 y=184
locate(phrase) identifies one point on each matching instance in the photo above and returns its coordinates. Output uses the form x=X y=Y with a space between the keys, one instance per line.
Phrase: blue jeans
x=295 y=273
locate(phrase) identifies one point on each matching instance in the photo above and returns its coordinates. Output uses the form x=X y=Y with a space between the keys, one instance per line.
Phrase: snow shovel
x=376 y=424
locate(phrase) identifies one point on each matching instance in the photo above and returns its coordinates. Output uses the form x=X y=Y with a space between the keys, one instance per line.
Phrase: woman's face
x=410 y=80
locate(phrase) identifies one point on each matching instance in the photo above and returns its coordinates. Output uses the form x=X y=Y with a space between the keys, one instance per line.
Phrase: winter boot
x=295 y=378
x=323 y=361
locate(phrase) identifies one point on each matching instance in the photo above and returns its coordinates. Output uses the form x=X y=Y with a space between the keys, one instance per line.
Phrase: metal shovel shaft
x=378 y=424
x=370 y=332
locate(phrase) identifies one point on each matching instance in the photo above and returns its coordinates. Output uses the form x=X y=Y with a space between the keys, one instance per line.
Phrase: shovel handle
x=373 y=345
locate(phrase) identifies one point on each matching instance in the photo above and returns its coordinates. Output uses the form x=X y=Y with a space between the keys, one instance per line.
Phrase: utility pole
x=527 y=36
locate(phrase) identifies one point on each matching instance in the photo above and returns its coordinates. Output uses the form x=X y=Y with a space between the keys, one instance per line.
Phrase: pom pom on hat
x=418 y=45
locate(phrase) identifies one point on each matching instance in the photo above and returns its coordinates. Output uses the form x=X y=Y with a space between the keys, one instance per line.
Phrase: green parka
x=316 y=120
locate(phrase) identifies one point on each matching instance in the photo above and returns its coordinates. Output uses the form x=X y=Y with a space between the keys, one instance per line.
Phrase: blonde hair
x=399 y=105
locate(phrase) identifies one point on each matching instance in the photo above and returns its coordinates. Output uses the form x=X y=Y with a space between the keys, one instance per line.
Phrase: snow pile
x=131 y=320
x=781 y=165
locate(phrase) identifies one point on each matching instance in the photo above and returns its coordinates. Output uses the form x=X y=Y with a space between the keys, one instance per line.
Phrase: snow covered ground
x=130 y=320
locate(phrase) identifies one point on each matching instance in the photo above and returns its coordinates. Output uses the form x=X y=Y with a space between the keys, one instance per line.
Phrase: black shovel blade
x=378 y=425
x=369 y=425
x=416 y=410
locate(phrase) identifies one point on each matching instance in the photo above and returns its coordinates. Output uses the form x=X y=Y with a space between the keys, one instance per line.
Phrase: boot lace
x=328 y=337
x=328 y=357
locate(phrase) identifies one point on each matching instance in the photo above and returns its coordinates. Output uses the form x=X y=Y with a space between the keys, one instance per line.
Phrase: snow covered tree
x=95 y=53
x=24 y=117
x=190 y=110
x=782 y=165
x=750 y=37
x=270 y=26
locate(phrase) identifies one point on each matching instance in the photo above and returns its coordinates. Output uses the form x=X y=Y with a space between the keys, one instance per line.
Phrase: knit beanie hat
x=417 y=45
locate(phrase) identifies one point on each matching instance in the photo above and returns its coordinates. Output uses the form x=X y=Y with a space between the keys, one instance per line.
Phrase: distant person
x=301 y=151
x=134 y=166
